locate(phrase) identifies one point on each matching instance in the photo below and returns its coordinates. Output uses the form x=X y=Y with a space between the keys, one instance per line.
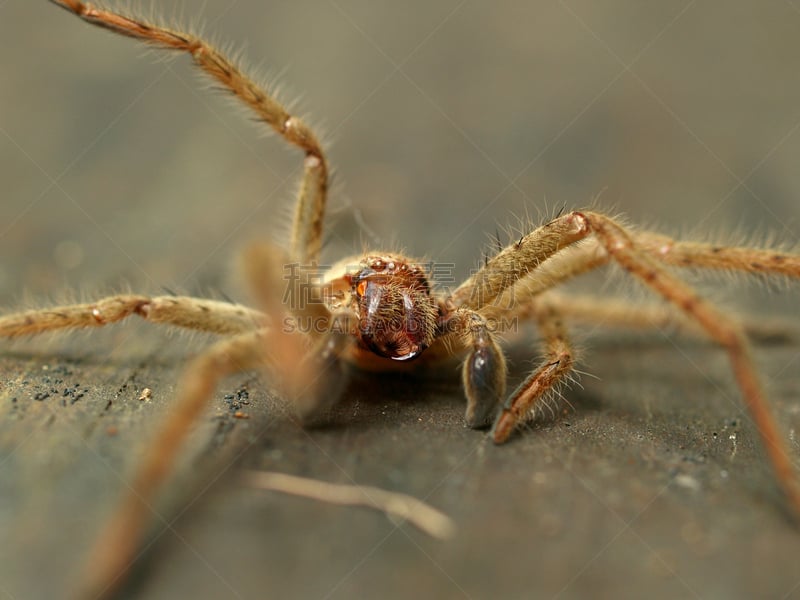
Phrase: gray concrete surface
x=443 y=121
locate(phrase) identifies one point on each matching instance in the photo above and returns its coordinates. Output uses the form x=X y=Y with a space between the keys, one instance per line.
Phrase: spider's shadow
x=379 y=399
x=373 y=400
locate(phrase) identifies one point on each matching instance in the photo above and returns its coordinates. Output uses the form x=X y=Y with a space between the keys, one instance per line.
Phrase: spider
x=381 y=310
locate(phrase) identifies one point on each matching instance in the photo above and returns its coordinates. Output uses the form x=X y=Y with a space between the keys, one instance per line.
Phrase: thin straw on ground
x=397 y=505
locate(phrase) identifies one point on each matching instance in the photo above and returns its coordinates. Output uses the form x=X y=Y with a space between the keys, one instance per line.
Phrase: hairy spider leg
x=306 y=234
x=211 y=316
x=644 y=261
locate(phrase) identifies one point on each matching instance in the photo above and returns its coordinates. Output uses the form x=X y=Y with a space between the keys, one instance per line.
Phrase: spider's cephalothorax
x=396 y=312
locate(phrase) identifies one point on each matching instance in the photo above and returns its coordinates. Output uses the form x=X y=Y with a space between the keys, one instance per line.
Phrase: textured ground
x=445 y=120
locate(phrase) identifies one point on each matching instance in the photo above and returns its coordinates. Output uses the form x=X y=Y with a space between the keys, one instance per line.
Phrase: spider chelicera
x=380 y=310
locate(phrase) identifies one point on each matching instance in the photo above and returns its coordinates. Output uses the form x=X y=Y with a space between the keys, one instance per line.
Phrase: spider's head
x=396 y=313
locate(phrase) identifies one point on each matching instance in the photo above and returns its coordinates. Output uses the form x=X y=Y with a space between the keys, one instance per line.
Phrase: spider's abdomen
x=397 y=315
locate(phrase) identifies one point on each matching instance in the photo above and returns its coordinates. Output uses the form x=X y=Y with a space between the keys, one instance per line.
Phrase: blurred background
x=444 y=122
